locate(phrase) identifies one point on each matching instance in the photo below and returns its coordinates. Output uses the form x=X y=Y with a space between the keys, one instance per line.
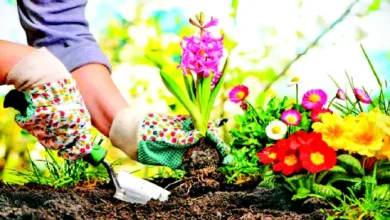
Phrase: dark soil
x=41 y=202
x=202 y=194
x=201 y=156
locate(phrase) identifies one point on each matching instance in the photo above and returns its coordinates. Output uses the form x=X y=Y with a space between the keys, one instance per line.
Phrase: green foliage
x=62 y=173
x=251 y=125
x=374 y=205
x=167 y=173
x=242 y=166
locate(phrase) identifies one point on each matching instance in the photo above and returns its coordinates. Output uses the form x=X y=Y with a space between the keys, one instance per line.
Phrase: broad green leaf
x=174 y=88
x=343 y=177
x=326 y=191
x=338 y=169
x=205 y=94
x=347 y=160
x=217 y=87
x=301 y=193
x=382 y=192
x=383 y=174
x=190 y=86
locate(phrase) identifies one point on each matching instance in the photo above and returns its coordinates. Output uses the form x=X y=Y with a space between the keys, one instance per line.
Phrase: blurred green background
x=268 y=42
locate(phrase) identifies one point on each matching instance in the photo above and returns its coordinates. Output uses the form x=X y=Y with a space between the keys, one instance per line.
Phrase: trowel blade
x=138 y=190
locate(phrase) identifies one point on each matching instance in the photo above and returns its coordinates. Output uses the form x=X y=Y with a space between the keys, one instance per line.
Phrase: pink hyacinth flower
x=202 y=54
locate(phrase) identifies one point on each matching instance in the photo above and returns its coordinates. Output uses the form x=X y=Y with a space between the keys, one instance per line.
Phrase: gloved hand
x=51 y=108
x=159 y=139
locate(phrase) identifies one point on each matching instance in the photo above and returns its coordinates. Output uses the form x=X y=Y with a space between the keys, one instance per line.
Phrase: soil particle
x=40 y=202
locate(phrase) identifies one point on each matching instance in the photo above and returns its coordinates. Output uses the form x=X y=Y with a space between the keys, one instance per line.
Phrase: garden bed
x=34 y=201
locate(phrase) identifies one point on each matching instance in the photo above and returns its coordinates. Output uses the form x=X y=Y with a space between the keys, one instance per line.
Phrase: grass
x=58 y=172
x=374 y=205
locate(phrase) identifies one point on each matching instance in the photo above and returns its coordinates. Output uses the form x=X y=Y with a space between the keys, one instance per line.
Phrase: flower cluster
x=301 y=150
x=367 y=134
x=202 y=54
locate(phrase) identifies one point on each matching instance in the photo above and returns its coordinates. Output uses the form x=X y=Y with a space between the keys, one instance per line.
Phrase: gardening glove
x=50 y=106
x=159 y=139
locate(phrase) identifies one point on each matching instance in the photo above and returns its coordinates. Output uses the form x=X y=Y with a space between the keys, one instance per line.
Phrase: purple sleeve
x=62 y=28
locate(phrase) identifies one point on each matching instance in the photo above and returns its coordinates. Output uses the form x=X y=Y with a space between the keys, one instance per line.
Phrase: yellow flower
x=335 y=131
x=367 y=137
x=383 y=122
x=384 y=152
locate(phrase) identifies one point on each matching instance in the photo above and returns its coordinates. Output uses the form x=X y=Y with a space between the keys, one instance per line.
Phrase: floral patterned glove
x=164 y=139
x=51 y=108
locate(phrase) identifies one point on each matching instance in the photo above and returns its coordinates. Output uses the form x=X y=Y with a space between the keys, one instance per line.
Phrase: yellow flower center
x=314 y=98
x=317 y=158
x=271 y=155
x=240 y=95
x=290 y=160
x=291 y=119
x=276 y=129
x=295 y=79
x=335 y=131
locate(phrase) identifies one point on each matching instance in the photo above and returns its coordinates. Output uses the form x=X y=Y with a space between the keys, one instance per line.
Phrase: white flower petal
x=269 y=130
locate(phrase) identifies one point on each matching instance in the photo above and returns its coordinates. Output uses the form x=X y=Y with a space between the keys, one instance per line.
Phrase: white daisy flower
x=294 y=81
x=276 y=130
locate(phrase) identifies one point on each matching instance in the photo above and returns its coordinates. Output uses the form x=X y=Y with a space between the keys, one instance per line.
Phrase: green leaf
x=327 y=191
x=375 y=5
x=175 y=89
x=190 y=86
x=357 y=187
x=383 y=174
x=343 y=177
x=338 y=169
x=382 y=192
x=205 y=94
x=347 y=160
x=373 y=69
x=301 y=193
x=216 y=89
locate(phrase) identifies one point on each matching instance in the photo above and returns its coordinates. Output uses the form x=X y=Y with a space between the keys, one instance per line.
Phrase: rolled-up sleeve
x=61 y=27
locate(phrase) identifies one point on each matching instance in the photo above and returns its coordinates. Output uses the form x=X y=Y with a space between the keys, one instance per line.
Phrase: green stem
x=296 y=97
x=360 y=106
x=314 y=180
x=253 y=110
x=198 y=92
x=331 y=101
x=321 y=176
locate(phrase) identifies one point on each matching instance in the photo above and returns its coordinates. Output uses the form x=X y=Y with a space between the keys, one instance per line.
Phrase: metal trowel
x=128 y=187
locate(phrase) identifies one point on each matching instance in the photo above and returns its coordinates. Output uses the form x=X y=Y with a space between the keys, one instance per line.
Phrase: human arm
x=62 y=28
x=50 y=106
